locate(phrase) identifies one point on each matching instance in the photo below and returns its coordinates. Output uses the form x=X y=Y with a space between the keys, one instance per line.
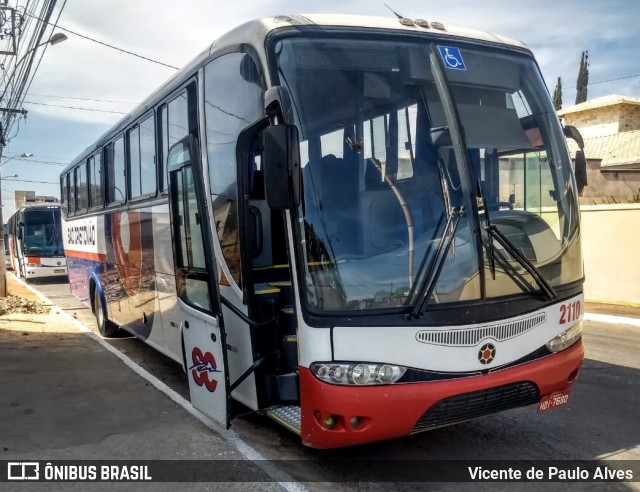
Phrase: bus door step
x=286 y=415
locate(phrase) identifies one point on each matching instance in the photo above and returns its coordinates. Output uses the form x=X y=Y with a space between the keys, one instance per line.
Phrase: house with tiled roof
x=610 y=126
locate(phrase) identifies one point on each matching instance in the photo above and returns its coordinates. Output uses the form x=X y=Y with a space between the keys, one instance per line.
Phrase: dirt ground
x=25 y=318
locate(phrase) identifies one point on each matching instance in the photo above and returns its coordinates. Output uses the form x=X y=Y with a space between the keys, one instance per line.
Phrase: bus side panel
x=132 y=287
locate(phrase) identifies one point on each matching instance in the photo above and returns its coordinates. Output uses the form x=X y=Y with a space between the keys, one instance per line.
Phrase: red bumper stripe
x=390 y=411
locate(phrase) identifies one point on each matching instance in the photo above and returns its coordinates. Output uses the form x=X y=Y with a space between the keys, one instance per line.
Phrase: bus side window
x=82 y=188
x=174 y=126
x=164 y=148
x=64 y=187
x=233 y=100
x=71 y=184
x=95 y=181
x=115 y=177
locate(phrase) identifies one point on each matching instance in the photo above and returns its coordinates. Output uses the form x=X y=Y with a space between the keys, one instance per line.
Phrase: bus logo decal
x=452 y=57
x=487 y=353
x=203 y=366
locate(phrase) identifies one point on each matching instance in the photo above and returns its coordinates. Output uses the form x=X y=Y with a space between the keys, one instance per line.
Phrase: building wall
x=610 y=239
x=629 y=118
x=605 y=120
x=609 y=186
x=595 y=122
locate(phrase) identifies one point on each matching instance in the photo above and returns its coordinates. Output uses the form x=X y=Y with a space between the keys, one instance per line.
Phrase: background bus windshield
x=42 y=233
x=387 y=206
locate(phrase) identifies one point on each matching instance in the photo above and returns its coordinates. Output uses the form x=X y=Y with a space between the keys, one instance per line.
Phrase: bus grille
x=477 y=404
x=470 y=337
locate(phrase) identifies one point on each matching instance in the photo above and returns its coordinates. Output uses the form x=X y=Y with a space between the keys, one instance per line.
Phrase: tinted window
x=134 y=162
x=233 y=100
x=148 y=157
x=95 y=181
x=118 y=183
x=82 y=189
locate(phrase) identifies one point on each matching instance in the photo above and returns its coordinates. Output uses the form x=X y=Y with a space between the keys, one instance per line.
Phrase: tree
x=583 y=78
x=557 y=95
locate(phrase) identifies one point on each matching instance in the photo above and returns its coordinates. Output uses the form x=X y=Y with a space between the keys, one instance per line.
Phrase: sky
x=108 y=83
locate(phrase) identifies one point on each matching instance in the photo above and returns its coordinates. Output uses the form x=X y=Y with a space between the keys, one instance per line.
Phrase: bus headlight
x=361 y=374
x=565 y=339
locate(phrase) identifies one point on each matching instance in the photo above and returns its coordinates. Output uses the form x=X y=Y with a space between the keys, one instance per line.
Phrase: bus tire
x=107 y=328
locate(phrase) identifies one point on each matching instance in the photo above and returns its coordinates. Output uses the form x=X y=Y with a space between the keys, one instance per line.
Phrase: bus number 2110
x=570 y=312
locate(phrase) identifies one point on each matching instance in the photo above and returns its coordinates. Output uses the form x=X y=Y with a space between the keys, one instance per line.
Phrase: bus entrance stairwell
x=266 y=283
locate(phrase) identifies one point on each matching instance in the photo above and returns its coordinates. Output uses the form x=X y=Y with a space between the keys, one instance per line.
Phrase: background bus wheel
x=106 y=327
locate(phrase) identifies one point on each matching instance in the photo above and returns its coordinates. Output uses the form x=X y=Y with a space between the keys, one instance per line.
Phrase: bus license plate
x=59 y=270
x=553 y=400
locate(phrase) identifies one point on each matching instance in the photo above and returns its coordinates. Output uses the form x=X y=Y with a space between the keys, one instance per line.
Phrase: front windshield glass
x=382 y=179
x=43 y=233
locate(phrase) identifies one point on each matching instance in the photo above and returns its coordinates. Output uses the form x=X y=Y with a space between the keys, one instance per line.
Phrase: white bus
x=34 y=242
x=361 y=227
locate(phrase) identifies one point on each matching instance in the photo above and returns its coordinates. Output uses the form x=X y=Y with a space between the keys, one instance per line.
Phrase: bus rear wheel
x=107 y=328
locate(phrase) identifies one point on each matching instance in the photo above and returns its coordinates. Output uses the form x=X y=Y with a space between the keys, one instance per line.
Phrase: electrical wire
x=74 y=107
x=115 y=47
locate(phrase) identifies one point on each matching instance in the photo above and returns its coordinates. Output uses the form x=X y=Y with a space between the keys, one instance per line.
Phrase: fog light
x=565 y=339
x=330 y=422
x=355 y=422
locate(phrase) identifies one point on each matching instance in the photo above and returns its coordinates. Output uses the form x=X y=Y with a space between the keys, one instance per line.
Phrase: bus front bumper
x=335 y=416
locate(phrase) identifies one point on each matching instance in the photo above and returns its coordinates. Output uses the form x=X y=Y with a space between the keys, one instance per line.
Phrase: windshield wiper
x=428 y=284
x=497 y=234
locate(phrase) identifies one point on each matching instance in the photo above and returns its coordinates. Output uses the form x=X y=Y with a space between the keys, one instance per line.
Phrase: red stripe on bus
x=102 y=258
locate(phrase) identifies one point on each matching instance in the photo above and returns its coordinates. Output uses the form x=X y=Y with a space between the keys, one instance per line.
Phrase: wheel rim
x=99 y=313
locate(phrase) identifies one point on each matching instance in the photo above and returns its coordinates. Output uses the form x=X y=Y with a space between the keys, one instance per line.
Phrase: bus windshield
x=42 y=233
x=400 y=190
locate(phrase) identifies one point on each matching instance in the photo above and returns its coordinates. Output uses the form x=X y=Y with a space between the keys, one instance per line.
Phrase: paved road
x=600 y=422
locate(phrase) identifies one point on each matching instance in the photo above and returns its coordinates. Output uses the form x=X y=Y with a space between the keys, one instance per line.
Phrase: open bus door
x=203 y=336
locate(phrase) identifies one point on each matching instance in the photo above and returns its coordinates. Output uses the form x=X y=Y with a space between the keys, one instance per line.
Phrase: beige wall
x=611 y=248
x=605 y=120
x=605 y=186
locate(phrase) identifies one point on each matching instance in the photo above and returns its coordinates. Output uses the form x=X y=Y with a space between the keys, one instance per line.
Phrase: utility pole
x=54 y=39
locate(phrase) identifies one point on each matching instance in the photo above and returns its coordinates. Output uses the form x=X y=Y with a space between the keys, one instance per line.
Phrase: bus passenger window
x=82 y=188
x=174 y=121
x=95 y=181
x=233 y=100
x=116 y=185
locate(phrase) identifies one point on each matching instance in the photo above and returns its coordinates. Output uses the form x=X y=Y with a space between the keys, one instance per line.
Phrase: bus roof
x=255 y=31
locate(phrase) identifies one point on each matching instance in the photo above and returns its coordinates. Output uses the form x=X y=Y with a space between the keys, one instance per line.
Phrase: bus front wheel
x=107 y=328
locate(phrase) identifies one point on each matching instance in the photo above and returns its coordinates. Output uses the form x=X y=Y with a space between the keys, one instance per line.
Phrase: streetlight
x=3 y=265
x=53 y=40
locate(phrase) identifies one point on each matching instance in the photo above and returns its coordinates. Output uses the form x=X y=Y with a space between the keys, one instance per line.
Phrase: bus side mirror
x=281 y=164
x=581 y=171
x=20 y=231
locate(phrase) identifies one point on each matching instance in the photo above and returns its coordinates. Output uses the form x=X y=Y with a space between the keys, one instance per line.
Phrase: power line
x=74 y=107
x=113 y=47
x=613 y=80
x=6 y=180
x=82 y=98
x=38 y=161
x=17 y=155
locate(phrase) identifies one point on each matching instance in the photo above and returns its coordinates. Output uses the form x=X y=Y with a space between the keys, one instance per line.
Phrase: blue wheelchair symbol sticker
x=452 y=57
